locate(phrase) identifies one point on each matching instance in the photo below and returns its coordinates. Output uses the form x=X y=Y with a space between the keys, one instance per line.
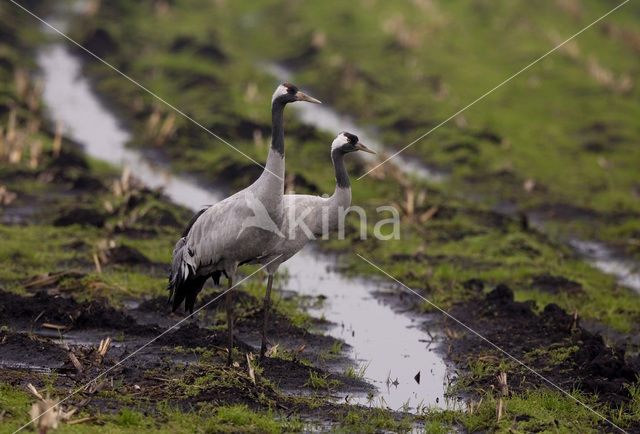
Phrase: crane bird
x=218 y=239
x=307 y=217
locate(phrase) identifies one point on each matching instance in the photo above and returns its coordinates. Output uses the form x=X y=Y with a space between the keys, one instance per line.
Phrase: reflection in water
x=27 y=367
x=391 y=346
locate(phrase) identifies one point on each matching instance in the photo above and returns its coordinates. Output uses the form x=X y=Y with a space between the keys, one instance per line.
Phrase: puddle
x=391 y=344
x=602 y=257
x=605 y=259
x=12 y=215
x=25 y=367
x=324 y=118
x=70 y=98
x=88 y=338
x=390 y=347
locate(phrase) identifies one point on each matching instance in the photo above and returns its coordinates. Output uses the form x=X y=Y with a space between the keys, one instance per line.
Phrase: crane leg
x=229 y=308
x=267 y=307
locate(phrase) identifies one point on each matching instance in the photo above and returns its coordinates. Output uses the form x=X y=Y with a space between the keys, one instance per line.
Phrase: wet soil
x=30 y=347
x=172 y=364
x=556 y=284
x=48 y=327
x=583 y=360
x=26 y=312
x=566 y=212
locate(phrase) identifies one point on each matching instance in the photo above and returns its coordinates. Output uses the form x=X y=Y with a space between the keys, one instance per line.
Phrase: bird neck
x=277 y=127
x=342 y=177
x=272 y=179
x=342 y=194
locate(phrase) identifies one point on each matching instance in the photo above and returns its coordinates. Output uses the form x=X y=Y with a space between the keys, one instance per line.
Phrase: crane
x=217 y=239
x=307 y=217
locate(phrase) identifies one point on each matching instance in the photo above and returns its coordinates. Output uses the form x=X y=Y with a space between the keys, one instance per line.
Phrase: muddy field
x=97 y=180
x=50 y=338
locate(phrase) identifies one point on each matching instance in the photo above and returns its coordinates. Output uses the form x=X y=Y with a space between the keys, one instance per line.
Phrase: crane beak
x=360 y=147
x=304 y=97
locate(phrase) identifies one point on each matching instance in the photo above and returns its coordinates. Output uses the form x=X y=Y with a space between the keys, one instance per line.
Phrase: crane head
x=287 y=92
x=347 y=142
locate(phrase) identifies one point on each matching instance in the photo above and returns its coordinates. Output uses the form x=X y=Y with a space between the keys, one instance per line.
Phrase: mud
x=48 y=324
x=126 y=255
x=20 y=350
x=588 y=363
x=249 y=319
x=81 y=216
x=27 y=312
x=100 y=42
x=157 y=368
x=568 y=212
x=556 y=284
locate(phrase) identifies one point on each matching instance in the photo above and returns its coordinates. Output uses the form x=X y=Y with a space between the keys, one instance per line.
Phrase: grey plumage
x=318 y=214
x=214 y=242
x=312 y=210
x=212 y=245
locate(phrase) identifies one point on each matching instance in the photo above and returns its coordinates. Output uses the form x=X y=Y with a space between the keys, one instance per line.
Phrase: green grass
x=336 y=348
x=239 y=417
x=374 y=421
x=19 y=261
x=41 y=247
x=634 y=405
x=555 y=355
x=131 y=418
x=549 y=409
x=530 y=411
x=357 y=372
x=321 y=382
x=209 y=419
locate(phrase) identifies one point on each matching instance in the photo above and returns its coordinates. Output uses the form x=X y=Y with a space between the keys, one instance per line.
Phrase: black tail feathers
x=186 y=291
x=216 y=277
x=189 y=289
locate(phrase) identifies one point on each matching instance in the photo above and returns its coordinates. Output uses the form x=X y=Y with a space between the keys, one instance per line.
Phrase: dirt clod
x=555 y=284
x=552 y=342
x=43 y=308
x=125 y=255
x=80 y=216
